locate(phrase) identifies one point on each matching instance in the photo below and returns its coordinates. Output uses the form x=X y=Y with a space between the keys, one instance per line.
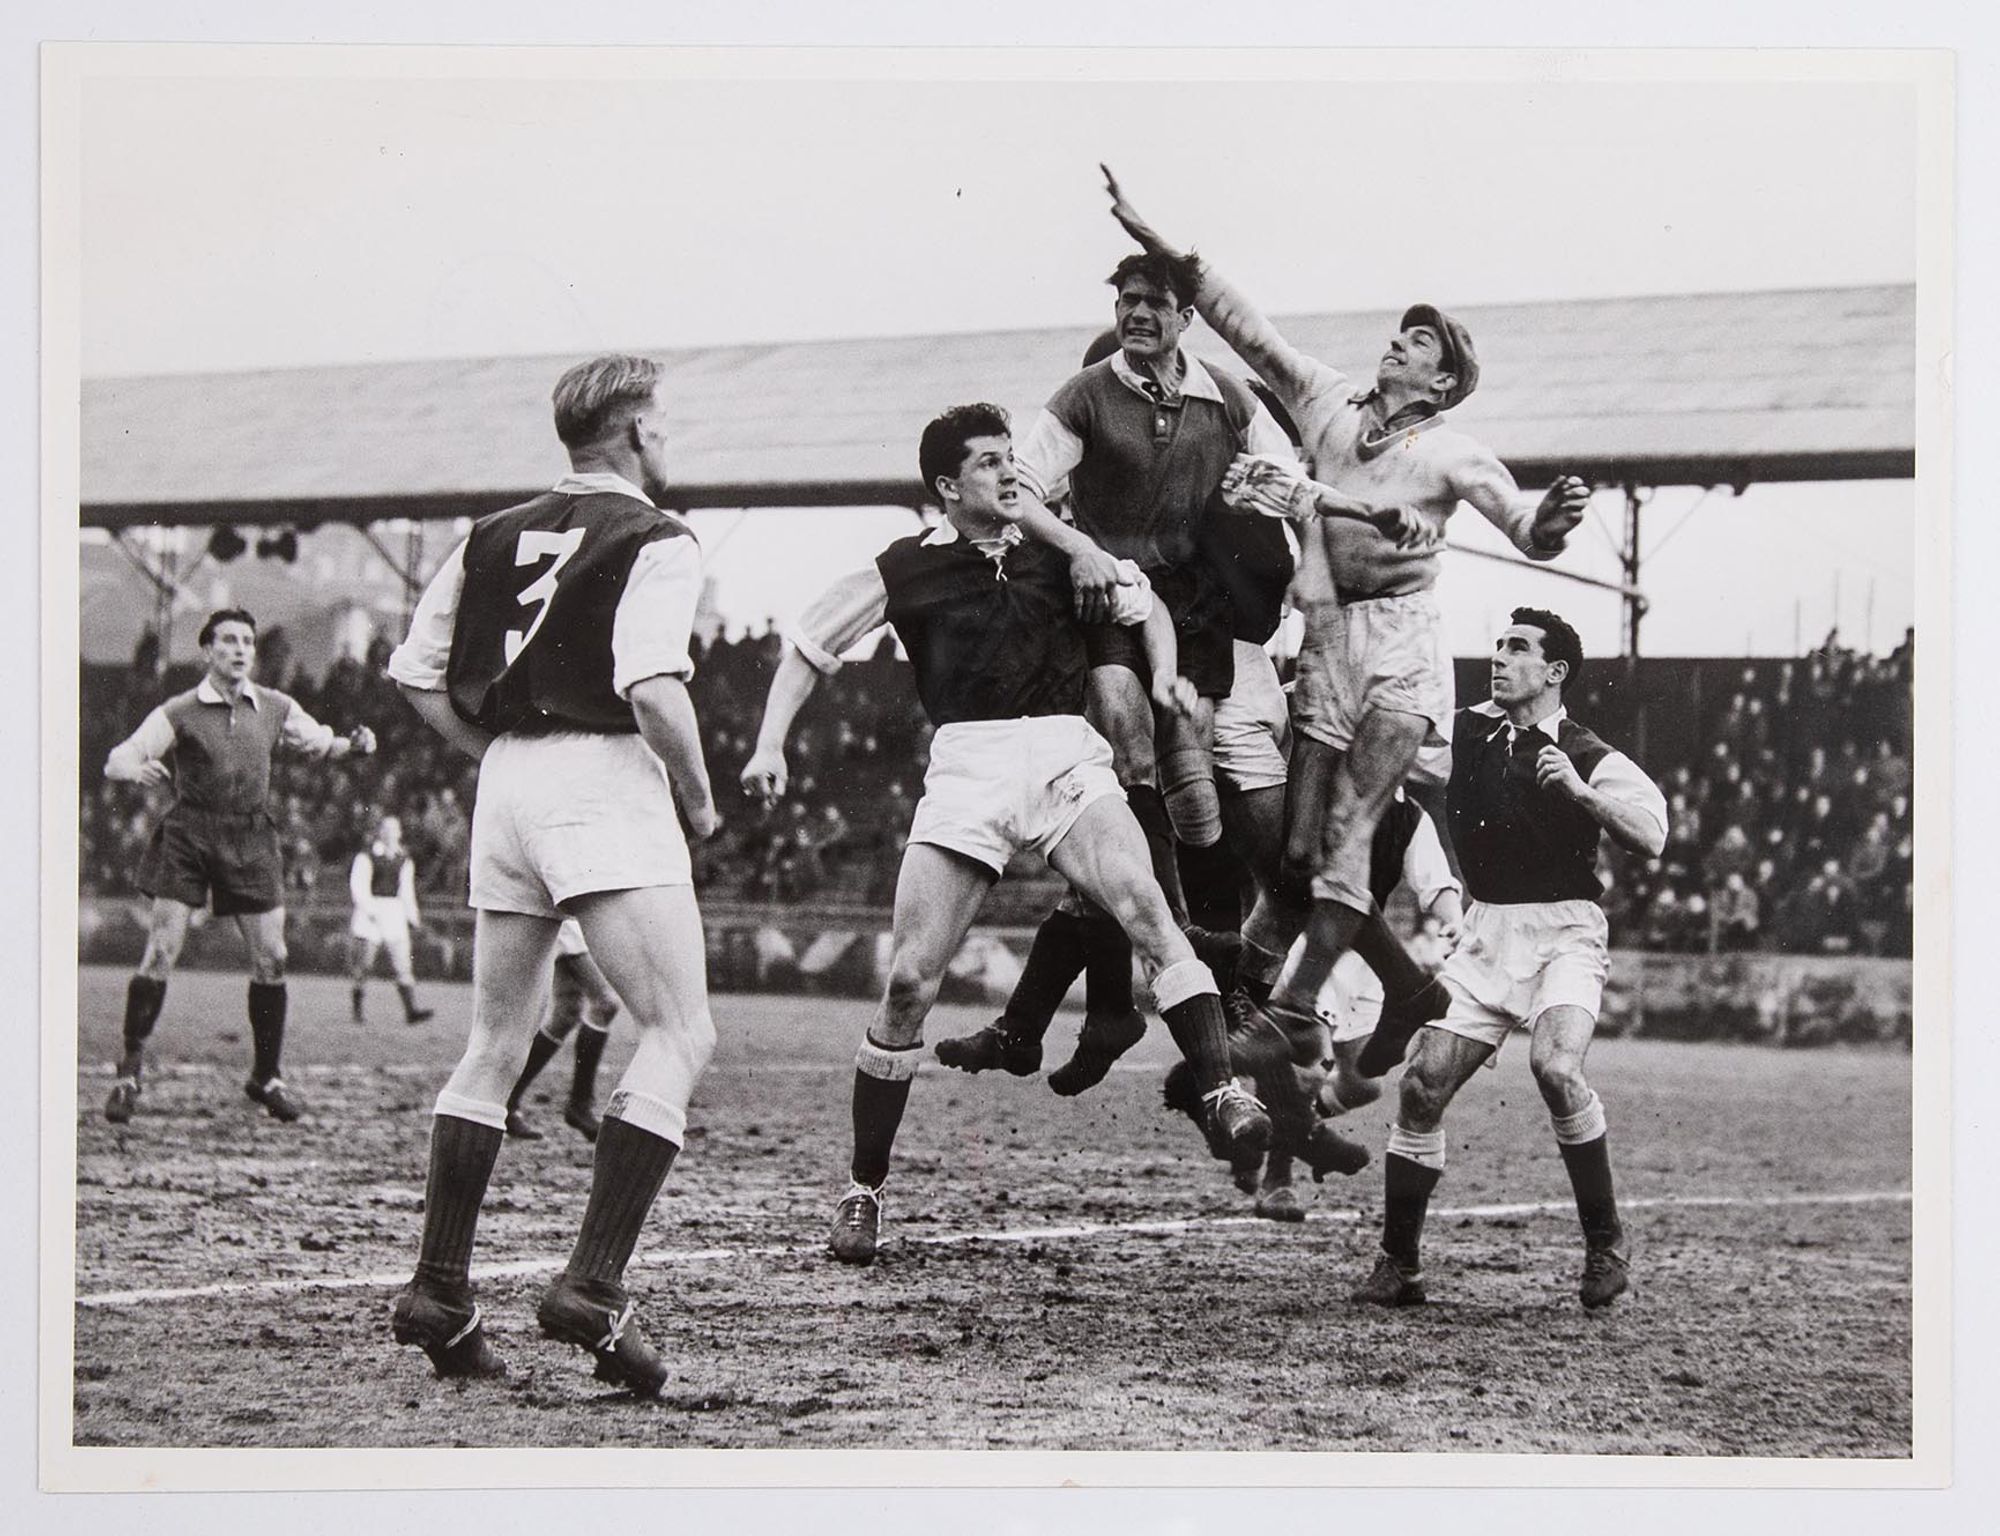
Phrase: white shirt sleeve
x=1132 y=598
x=649 y=633
x=1267 y=439
x=419 y=662
x=1618 y=778
x=303 y=734
x=1046 y=453
x=839 y=619
x=152 y=741
x=1426 y=870
x=406 y=890
x=361 y=877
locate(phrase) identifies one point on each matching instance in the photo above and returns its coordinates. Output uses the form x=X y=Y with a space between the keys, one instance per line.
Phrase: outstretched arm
x=1538 y=529
x=1250 y=334
x=836 y=620
x=767 y=774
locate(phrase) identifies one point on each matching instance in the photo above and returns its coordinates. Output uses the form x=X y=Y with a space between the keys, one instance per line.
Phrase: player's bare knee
x=1560 y=1077
x=1421 y=1102
x=268 y=967
x=907 y=999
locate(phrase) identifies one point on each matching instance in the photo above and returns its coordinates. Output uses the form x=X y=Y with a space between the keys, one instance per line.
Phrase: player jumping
x=1375 y=684
x=999 y=661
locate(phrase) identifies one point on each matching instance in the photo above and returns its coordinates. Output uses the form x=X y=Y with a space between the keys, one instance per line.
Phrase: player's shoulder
x=176 y=706
x=273 y=698
x=1485 y=709
x=1083 y=388
x=1457 y=449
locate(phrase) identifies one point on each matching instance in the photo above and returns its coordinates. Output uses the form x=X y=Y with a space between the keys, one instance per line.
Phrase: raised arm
x=1538 y=529
x=1044 y=455
x=1251 y=336
x=138 y=759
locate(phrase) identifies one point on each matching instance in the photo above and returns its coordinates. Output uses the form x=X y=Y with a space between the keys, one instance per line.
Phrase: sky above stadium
x=362 y=207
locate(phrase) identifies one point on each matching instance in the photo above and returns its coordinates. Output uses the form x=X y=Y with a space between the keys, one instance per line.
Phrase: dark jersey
x=1516 y=841
x=531 y=647
x=987 y=642
x=385 y=871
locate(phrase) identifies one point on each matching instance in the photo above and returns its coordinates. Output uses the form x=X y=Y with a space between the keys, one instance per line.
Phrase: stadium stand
x=1789 y=784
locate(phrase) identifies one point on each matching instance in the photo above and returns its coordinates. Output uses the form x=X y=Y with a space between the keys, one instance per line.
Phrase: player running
x=218 y=844
x=1532 y=792
x=383 y=883
x=999 y=661
x=1375 y=685
x=552 y=646
x=581 y=1003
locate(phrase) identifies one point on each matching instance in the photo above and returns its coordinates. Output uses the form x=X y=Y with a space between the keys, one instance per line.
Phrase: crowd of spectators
x=1789 y=791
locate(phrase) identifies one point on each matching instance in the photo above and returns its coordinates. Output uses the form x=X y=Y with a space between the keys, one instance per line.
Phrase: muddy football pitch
x=1056 y=1274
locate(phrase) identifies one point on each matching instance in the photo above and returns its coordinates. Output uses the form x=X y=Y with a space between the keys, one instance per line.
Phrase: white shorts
x=563 y=816
x=381 y=920
x=1382 y=653
x=1515 y=962
x=1351 y=1000
x=1252 y=726
x=999 y=787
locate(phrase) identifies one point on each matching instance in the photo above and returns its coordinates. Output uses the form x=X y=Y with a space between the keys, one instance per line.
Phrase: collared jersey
x=1428 y=465
x=989 y=625
x=550 y=612
x=1144 y=468
x=1518 y=842
x=220 y=749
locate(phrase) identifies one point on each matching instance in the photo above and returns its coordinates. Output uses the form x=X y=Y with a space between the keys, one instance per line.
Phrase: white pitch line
x=663 y=1256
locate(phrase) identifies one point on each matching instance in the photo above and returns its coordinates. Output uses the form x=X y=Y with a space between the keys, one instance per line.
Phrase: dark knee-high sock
x=626 y=1173
x=1406 y=1191
x=1376 y=943
x=462 y=1157
x=882 y=1076
x=267 y=1028
x=409 y=996
x=143 y=997
x=1057 y=957
x=1212 y=882
x=1107 y=976
x=589 y=1052
x=1589 y=1163
x=1198 y=1028
x=1151 y=811
x=541 y=1049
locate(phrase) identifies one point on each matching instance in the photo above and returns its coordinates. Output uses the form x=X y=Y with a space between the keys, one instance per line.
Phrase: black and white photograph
x=1026 y=755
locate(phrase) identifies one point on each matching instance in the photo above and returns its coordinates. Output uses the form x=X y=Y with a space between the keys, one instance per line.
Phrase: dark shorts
x=1204 y=632
x=194 y=855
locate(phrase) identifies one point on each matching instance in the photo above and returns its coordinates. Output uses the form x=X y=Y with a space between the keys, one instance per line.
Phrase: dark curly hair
x=1179 y=275
x=1559 y=641
x=942 y=451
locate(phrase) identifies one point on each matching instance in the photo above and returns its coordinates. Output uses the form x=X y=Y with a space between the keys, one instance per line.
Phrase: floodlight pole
x=1628 y=560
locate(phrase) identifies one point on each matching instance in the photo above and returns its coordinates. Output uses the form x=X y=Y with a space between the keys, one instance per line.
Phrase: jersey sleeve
x=360 y=877
x=300 y=732
x=152 y=741
x=406 y=890
x=1426 y=870
x=1618 y=778
x=839 y=618
x=420 y=661
x=1053 y=444
x=1132 y=598
x=649 y=632
x=1489 y=485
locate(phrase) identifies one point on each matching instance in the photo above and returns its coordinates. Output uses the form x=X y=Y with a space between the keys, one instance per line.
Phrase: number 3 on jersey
x=537 y=544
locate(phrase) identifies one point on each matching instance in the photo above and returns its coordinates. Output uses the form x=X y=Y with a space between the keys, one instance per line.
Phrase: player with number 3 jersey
x=552 y=646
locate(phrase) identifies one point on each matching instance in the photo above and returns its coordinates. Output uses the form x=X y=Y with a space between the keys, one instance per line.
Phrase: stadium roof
x=1703 y=389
